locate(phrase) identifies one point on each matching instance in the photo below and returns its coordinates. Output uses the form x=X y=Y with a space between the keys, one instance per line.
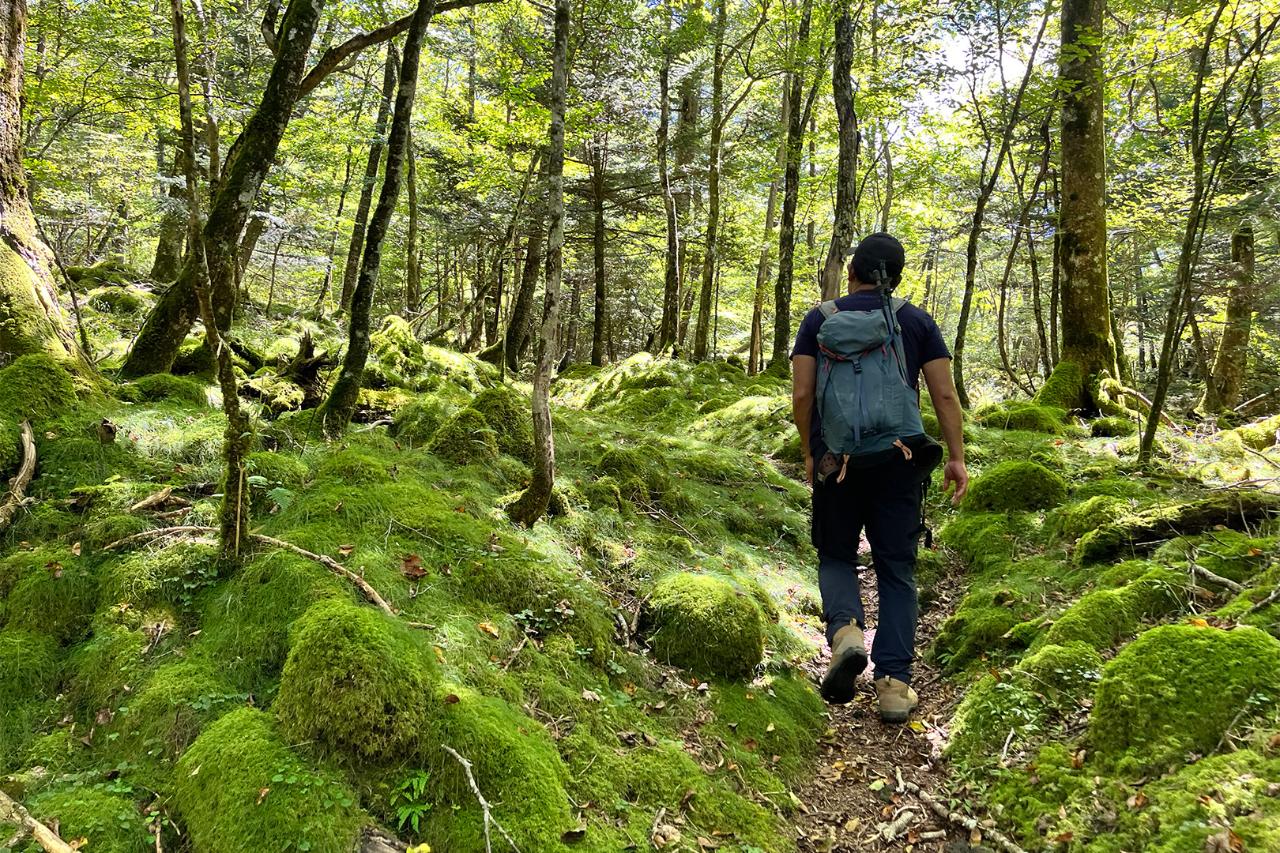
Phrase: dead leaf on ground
x=262 y=794
x=345 y=550
x=411 y=567
x=488 y=628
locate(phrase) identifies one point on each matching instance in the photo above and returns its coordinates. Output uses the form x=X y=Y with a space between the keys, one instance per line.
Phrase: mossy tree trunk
x=779 y=363
x=1082 y=214
x=755 y=348
x=600 y=324
x=669 y=324
x=351 y=269
x=31 y=319
x=517 y=337
x=701 y=332
x=412 y=260
x=1222 y=391
x=173 y=222
x=532 y=504
x=336 y=412
x=246 y=167
x=846 y=210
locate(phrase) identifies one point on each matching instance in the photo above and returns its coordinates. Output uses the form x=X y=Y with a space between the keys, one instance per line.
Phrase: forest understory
x=637 y=671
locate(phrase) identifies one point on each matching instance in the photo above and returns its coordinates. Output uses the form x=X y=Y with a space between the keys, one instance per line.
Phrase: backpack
x=867 y=405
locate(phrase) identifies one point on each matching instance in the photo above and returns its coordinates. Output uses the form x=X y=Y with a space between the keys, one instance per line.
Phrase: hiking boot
x=897 y=699
x=848 y=660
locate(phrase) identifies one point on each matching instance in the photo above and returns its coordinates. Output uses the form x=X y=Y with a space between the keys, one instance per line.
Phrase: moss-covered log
x=1140 y=532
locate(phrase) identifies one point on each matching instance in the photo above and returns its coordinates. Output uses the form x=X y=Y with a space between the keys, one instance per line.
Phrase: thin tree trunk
x=1082 y=217
x=173 y=222
x=713 y=185
x=337 y=410
x=333 y=235
x=669 y=324
x=764 y=265
x=522 y=309
x=846 y=209
x=1233 y=350
x=532 y=504
x=351 y=269
x=413 y=266
x=778 y=361
x=601 y=324
x=575 y=308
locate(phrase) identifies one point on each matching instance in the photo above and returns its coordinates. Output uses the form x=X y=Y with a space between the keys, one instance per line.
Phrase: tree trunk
x=532 y=504
x=599 y=328
x=763 y=267
x=246 y=167
x=1233 y=350
x=341 y=405
x=671 y=278
x=333 y=236
x=413 y=264
x=779 y=363
x=575 y=307
x=1082 y=217
x=31 y=320
x=351 y=269
x=173 y=222
x=713 y=187
x=846 y=209
x=518 y=323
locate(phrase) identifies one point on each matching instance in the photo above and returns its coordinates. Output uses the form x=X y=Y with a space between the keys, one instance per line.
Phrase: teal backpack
x=868 y=408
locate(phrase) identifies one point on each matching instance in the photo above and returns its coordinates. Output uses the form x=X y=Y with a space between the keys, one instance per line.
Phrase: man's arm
x=942 y=391
x=804 y=379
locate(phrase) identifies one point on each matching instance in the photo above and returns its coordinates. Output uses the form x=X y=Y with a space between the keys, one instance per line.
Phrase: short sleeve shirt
x=921 y=343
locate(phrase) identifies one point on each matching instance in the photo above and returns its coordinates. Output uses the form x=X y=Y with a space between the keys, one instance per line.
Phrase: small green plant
x=409 y=800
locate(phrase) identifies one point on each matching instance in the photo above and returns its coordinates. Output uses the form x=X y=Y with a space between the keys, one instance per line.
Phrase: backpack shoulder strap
x=898 y=303
x=828 y=309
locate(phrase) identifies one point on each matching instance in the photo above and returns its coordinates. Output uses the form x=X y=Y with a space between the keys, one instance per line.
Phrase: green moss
x=111 y=822
x=1064 y=389
x=110 y=662
x=1015 y=485
x=1258 y=435
x=1073 y=520
x=418 y=420
x=990 y=710
x=168 y=575
x=706 y=623
x=1176 y=689
x=165 y=386
x=36 y=388
x=1139 y=531
x=1158 y=592
x=55 y=593
x=356 y=683
x=986 y=542
x=517 y=767
x=399 y=353
x=352 y=467
x=1112 y=427
x=111 y=270
x=219 y=784
x=29 y=665
x=1067 y=672
x=780 y=716
x=1034 y=801
x=246 y=621
x=978 y=627
x=509 y=414
x=119 y=300
x=1014 y=415
x=276 y=392
x=465 y=438
x=278 y=469
x=171 y=709
x=1100 y=619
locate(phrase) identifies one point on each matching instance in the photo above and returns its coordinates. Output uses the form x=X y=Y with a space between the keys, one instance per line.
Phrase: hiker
x=856 y=402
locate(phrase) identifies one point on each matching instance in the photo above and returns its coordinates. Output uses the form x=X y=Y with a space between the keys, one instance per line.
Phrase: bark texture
x=600 y=324
x=701 y=331
x=846 y=211
x=668 y=326
x=1233 y=351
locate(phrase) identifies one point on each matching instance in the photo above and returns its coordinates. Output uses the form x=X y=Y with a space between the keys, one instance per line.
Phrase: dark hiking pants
x=885 y=501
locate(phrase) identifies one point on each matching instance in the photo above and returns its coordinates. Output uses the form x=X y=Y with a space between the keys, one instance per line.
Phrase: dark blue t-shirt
x=921 y=343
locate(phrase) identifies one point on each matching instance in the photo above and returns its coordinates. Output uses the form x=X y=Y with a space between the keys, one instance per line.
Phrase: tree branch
x=18 y=487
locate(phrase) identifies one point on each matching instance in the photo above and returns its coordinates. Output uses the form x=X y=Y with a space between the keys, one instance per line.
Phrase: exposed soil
x=854 y=795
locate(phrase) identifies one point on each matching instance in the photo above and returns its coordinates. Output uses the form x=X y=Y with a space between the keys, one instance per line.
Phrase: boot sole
x=839 y=685
x=895 y=716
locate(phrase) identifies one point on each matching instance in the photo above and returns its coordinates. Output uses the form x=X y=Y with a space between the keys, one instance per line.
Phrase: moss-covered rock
x=168 y=575
x=219 y=792
x=352 y=467
x=29 y=664
x=1100 y=620
x=980 y=626
x=508 y=413
x=1112 y=427
x=1071 y=521
x=110 y=822
x=987 y=541
x=37 y=388
x=55 y=593
x=417 y=421
x=355 y=683
x=1258 y=435
x=1015 y=485
x=465 y=438
x=277 y=393
x=156 y=387
x=171 y=709
x=706 y=623
x=1176 y=689
x=1014 y=415
x=277 y=469
x=398 y=350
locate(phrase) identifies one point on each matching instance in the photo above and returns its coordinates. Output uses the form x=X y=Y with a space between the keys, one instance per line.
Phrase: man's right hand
x=955 y=474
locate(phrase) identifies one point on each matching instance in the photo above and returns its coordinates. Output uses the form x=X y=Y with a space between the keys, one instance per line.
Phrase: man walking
x=856 y=365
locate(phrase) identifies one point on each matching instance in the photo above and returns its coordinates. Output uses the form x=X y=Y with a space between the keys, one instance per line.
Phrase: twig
x=484 y=804
x=18 y=486
x=511 y=658
x=657 y=821
x=891 y=831
x=1216 y=578
x=328 y=562
x=1266 y=602
x=938 y=808
x=12 y=811
x=152 y=500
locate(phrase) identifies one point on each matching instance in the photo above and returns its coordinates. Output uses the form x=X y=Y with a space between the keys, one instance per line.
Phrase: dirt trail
x=854 y=793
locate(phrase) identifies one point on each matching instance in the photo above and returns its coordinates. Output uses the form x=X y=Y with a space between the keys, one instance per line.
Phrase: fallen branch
x=12 y=811
x=152 y=500
x=484 y=804
x=1146 y=402
x=1266 y=602
x=328 y=562
x=1216 y=578
x=968 y=823
x=890 y=831
x=18 y=485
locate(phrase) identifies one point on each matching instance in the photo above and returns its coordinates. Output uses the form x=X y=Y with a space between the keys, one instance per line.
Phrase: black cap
x=875 y=252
